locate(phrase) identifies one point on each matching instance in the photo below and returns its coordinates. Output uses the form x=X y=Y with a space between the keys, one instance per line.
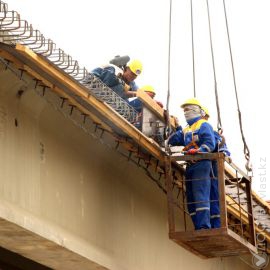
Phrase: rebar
x=14 y=31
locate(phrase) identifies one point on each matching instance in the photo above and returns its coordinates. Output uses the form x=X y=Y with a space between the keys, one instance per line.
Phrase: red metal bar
x=169 y=187
x=221 y=189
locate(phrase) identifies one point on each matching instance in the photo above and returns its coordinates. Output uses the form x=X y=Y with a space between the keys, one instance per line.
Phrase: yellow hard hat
x=206 y=111
x=191 y=101
x=148 y=88
x=135 y=66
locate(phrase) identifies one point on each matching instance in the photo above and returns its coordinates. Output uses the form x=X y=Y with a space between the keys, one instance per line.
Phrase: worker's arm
x=207 y=138
x=106 y=75
x=136 y=104
x=177 y=138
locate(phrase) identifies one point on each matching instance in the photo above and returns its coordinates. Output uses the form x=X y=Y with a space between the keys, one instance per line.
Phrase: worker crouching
x=120 y=81
x=197 y=137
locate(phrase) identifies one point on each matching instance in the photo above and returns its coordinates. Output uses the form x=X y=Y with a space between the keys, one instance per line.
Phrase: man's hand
x=126 y=87
x=192 y=151
x=176 y=121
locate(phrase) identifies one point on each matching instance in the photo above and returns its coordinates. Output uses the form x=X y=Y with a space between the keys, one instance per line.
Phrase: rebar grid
x=14 y=30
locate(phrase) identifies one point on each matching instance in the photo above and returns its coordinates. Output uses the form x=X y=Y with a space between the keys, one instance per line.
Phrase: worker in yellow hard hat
x=138 y=105
x=191 y=101
x=120 y=80
x=135 y=67
x=205 y=113
x=197 y=137
x=149 y=90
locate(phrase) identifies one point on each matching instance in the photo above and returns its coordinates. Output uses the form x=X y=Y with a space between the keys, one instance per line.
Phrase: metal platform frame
x=232 y=238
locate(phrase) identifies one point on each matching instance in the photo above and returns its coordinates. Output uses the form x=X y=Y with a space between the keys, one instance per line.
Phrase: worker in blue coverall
x=197 y=137
x=214 y=192
x=120 y=81
x=137 y=104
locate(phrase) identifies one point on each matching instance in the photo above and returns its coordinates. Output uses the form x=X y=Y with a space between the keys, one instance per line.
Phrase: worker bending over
x=137 y=103
x=197 y=137
x=120 y=81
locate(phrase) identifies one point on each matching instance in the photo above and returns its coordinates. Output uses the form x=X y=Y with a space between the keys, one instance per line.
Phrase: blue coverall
x=108 y=76
x=214 y=193
x=197 y=176
x=137 y=105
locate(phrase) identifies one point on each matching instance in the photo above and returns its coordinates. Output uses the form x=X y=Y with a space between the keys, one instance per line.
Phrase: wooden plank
x=153 y=106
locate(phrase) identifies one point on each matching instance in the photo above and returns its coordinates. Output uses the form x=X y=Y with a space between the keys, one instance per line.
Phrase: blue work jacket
x=136 y=104
x=200 y=132
x=108 y=75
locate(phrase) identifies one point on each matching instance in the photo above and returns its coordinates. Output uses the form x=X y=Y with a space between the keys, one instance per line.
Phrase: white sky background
x=93 y=32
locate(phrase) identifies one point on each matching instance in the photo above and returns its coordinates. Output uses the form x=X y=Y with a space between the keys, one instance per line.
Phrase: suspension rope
x=167 y=116
x=192 y=41
x=169 y=58
x=219 y=124
x=246 y=149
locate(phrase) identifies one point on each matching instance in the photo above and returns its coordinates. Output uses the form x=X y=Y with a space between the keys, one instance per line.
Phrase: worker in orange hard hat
x=197 y=137
x=121 y=81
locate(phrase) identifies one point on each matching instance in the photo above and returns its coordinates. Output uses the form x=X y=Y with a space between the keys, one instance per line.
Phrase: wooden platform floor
x=220 y=242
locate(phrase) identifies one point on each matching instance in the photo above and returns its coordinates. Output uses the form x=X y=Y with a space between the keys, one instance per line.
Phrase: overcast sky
x=93 y=32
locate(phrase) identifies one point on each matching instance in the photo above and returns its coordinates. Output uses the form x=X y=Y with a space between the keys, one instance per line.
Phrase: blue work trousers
x=198 y=184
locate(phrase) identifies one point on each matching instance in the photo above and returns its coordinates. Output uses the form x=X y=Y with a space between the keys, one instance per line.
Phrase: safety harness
x=191 y=129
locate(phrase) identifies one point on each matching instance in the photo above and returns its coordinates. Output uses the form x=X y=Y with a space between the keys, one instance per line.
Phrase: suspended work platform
x=221 y=242
x=236 y=234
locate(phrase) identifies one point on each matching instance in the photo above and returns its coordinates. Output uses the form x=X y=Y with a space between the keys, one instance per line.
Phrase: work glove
x=192 y=151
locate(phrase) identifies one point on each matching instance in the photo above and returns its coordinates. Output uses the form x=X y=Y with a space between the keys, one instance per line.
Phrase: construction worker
x=120 y=81
x=197 y=137
x=214 y=192
x=137 y=104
